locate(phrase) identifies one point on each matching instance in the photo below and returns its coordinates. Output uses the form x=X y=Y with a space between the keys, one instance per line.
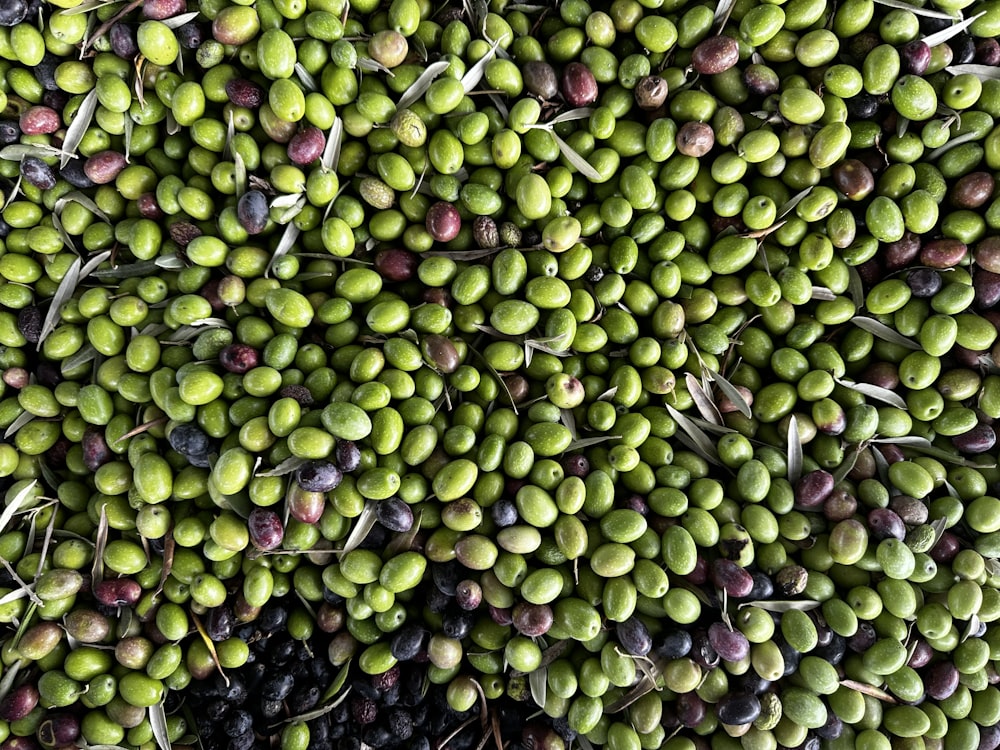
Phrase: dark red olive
x=443 y=221
x=578 y=85
x=306 y=146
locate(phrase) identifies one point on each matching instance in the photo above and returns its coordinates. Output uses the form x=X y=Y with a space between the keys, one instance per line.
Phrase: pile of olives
x=609 y=374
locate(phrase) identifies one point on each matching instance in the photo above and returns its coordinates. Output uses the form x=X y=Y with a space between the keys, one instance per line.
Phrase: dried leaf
x=538 y=683
x=419 y=87
x=363 y=524
x=940 y=37
x=306 y=77
x=158 y=719
x=177 y=21
x=982 y=72
x=731 y=392
x=582 y=165
x=17 y=501
x=211 y=646
x=915 y=9
x=22 y=419
x=863 y=687
x=699 y=441
x=475 y=74
x=794 y=450
x=884 y=332
x=773 y=605
x=81 y=121
x=702 y=400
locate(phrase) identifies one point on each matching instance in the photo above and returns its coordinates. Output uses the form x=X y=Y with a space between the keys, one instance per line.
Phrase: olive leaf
x=722 y=12
x=608 y=394
x=230 y=133
x=23 y=418
x=169 y=263
x=419 y=87
x=306 y=77
x=177 y=21
x=855 y=287
x=475 y=74
x=17 y=151
x=850 y=459
x=794 y=450
x=773 y=605
x=240 y=174
x=286 y=243
x=915 y=9
x=580 y=113
x=956 y=141
x=363 y=524
x=13 y=192
x=983 y=72
x=702 y=401
x=285 y=467
x=940 y=37
x=569 y=422
x=86 y=7
x=694 y=436
x=86 y=201
x=971 y=629
x=158 y=721
x=331 y=152
x=17 y=501
x=823 y=294
x=338 y=682
x=792 y=202
x=538 y=683
x=286 y=200
x=374 y=66
x=582 y=165
x=100 y=542
x=884 y=332
x=74 y=275
x=587 y=442
x=731 y=392
x=76 y=130
x=10 y=675
x=173 y=127
x=876 y=392
x=925 y=446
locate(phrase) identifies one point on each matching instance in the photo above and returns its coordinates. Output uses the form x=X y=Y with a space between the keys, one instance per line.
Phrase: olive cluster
x=628 y=362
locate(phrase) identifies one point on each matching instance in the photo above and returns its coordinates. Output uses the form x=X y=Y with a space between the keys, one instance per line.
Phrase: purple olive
x=578 y=85
x=265 y=527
